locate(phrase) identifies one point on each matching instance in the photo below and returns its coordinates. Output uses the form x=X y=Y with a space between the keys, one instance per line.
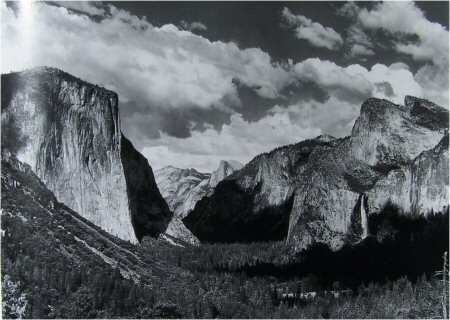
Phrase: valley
x=324 y=228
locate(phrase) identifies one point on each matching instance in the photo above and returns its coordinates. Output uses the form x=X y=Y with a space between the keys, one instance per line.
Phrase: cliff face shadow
x=227 y=216
x=150 y=214
x=399 y=246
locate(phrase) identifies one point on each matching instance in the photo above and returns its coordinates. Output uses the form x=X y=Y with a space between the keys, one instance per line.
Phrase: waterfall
x=364 y=218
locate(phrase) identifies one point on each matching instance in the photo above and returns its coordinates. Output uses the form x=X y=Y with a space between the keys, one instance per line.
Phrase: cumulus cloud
x=402 y=18
x=239 y=140
x=193 y=26
x=356 y=83
x=152 y=69
x=313 y=32
x=411 y=33
x=93 y=8
x=401 y=81
x=334 y=80
x=358 y=49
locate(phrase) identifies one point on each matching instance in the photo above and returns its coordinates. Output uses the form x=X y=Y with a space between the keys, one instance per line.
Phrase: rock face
x=385 y=137
x=329 y=187
x=419 y=187
x=225 y=169
x=253 y=204
x=183 y=188
x=68 y=131
x=35 y=224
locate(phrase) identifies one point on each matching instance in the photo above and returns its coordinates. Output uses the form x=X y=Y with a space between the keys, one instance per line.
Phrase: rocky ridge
x=335 y=184
x=68 y=131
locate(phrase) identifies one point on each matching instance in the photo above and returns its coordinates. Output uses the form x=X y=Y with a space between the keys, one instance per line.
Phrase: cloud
x=411 y=33
x=360 y=50
x=401 y=18
x=313 y=32
x=396 y=82
x=350 y=10
x=333 y=79
x=385 y=88
x=193 y=26
x=357 y=42
x=152 y=69
x=434 y=81
x=239 y=140
x=356 y=83
x=92 y=8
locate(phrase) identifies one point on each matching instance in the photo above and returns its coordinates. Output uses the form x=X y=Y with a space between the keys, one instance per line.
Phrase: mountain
x=419 y=187
x=225 y=169
x=68 y=131
x=61 y=259
x=253 y=203
x=324 y=189
x=183 y=188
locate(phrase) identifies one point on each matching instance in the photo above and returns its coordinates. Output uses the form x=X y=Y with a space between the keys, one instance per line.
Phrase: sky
x=200 y=82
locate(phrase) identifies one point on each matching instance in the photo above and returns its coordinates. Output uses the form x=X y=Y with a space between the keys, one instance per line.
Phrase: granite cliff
x=68 y=131
x=324 y=189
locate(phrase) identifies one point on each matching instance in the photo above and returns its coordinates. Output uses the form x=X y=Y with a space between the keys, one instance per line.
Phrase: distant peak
x=226 y=168
x=230 y=163
x=168 y=169
x=192 y=171
x=324 y=138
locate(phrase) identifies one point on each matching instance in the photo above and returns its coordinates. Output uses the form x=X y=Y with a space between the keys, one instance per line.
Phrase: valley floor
x=36 y=289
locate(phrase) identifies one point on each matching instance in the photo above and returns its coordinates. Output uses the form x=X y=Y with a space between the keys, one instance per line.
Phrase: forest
x=398 y=278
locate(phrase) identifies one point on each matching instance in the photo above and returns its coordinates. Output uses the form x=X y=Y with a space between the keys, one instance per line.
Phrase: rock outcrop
x=329 y=187
x=68 y=131
x=421 y=187
x=253 y=204
x=385 y=137
x=225 y=169
x=183 y=188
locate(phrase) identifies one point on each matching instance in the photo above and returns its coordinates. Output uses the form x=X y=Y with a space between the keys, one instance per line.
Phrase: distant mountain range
x=182 y=188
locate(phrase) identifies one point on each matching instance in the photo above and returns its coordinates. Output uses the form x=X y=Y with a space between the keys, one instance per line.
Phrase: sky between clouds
x=201 y=82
